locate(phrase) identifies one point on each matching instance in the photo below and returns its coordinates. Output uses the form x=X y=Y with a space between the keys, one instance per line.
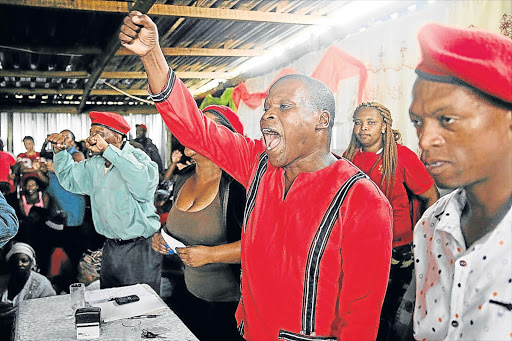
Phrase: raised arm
x=139 y=34
x=231 y=152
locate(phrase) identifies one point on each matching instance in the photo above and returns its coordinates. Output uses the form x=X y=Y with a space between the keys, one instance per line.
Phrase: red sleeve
x=232 y=152
x=416 y=176
x=366 y=257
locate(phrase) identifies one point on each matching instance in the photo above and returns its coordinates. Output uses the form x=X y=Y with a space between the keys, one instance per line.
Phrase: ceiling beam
x=180 y=74
x=168 y=51
x=178 y=11
x=112 y=46
x=44 y=74
x=197 y=51
x=66 y=109
x=78 y=92
x=55 y=51
x=109 y=75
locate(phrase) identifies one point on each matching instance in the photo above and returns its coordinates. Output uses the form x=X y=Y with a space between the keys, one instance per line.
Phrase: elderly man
x=121 y=181
x=462 y=110
x=316 y=241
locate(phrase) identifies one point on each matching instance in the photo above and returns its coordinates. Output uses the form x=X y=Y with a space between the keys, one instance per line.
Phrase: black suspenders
x=253 y=188
x=318 y=244
x=316 y=251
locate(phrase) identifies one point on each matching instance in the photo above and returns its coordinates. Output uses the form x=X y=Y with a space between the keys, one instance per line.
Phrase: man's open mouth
x=272 y=138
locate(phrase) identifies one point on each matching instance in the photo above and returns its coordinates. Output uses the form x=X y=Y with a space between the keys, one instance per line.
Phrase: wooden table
x=50 y=318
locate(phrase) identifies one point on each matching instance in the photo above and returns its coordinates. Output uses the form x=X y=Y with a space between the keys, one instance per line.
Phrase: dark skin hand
x=94 y=143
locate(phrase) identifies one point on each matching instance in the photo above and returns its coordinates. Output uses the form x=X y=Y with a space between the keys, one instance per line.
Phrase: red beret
x=479 y=58
x=110 y=120
x=231 y=116
x=143 y=126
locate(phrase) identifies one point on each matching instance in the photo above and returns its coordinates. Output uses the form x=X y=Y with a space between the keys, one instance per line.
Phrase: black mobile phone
x=126 y=299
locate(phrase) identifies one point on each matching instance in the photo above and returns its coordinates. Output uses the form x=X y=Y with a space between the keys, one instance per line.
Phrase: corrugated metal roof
x=49 y=49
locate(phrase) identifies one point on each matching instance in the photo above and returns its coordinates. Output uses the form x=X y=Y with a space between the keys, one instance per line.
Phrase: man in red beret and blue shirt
x=121 y=181
x=462 y=111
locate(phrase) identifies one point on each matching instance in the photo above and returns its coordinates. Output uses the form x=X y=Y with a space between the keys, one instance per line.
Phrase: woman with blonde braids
x=398 y=172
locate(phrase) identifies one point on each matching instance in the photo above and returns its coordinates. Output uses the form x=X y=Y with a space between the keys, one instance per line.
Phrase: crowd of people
x=284 y=240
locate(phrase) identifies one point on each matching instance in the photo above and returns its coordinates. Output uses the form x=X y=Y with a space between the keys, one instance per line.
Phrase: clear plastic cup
x=77 y=291
x=132 y=330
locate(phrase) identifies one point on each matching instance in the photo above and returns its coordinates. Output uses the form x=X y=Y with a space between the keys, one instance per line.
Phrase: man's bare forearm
x=157 y=69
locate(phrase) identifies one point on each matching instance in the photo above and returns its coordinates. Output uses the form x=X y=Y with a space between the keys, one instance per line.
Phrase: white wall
x=38 y=125
x=390 y=52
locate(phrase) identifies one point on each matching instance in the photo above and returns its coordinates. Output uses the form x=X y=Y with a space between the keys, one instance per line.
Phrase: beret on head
x=110 y=120
x=478 y=58
x=143 y=126
x=231 y=116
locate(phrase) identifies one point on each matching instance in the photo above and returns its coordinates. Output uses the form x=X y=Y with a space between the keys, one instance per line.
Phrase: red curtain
x=254 y=100
x=337 y=65
x=334 y=66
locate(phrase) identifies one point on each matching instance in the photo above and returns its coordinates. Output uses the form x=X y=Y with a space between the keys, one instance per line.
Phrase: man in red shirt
x=316 y=241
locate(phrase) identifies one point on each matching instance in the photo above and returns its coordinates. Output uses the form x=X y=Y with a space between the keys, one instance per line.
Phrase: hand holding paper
x=172 y=242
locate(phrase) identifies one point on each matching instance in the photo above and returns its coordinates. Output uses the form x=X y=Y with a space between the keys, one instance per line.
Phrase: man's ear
x=323 y=120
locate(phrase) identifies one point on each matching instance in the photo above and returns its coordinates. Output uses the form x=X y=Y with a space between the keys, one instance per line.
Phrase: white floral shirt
x=461 y=294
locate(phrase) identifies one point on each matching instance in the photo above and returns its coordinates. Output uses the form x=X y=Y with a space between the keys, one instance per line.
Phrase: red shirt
x=27 y=161
x=410 y=173
x=354 y=269
x=6 y=161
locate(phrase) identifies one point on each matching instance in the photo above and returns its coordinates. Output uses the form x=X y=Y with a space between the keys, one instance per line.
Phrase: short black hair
x=320 y=97
x=28 y=138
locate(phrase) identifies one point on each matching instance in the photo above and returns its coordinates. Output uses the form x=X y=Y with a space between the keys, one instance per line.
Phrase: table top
x=51 y=318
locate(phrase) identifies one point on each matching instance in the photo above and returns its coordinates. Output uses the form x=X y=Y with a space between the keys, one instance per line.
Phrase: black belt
x=126 y=241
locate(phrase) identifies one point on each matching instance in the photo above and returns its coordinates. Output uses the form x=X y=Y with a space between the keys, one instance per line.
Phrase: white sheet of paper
x=148 y=304
x=171 y=241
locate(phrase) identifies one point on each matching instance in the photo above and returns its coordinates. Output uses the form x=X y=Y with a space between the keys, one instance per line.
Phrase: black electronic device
x=126 y=299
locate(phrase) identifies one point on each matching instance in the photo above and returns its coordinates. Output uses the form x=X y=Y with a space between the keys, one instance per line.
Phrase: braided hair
x=389 y=155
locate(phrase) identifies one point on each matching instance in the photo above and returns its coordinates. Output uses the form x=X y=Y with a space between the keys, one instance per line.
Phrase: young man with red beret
x=462 y=111
x=316 y=240
x=121 y=181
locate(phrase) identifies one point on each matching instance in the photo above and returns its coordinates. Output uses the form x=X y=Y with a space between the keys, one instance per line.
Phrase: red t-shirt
x=410 y=173
x=6 y=161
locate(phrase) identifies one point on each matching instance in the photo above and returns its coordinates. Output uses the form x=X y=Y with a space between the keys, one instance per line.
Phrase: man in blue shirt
x=121 y=181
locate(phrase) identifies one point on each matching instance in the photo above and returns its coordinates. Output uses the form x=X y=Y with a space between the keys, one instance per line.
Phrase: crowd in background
x=56 y=225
